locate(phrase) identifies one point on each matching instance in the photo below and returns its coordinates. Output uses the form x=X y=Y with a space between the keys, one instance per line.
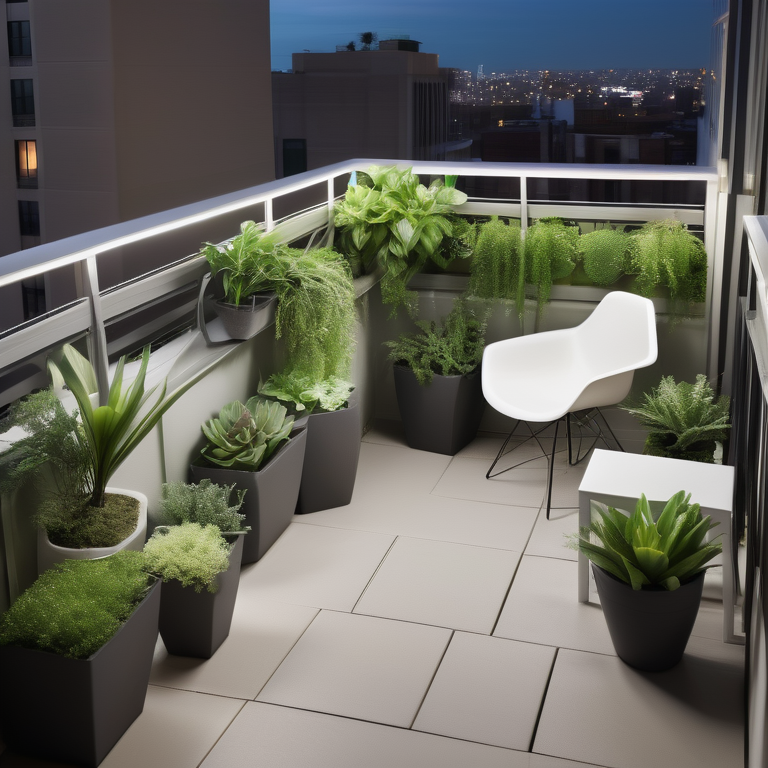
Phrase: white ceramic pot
x=49 y=554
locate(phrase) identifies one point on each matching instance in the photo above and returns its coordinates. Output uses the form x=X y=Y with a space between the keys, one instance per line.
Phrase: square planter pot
x=197 y=623
x=243 y=321
x=330 y=461
x=443 y=416
x=75 y=710
x=271 y=495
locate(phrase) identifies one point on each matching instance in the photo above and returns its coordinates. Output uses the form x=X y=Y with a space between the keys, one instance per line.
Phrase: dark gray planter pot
x=444 y=415
x=197 y=623
x=649 y=627
x=75 y=710
x=271 y=495
x=242 y=321
x=330 y=461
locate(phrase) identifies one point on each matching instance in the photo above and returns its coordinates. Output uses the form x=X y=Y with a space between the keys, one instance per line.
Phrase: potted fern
x=684 y=421
x=331 y=410
x=649 y=572
x=254 y=447
x=438 y=383
x=75 y=656
x=604 y=254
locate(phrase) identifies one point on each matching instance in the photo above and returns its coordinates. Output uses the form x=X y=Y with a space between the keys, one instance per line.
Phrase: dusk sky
x=508 y=34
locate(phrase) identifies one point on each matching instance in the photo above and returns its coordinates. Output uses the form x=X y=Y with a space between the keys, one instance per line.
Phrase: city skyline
x=508 y=34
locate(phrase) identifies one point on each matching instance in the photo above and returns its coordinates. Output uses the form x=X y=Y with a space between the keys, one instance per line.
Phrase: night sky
x=508 y=34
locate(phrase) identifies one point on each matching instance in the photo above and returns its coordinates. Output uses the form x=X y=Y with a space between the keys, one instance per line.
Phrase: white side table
x=618 y=479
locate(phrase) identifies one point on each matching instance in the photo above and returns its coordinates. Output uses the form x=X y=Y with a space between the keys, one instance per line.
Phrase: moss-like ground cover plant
x=683 y=420
x=75 y=608
x=646 y=553
x=604 y=254
x=189 y=553
x=304 y=394
x=205 y=503
x=390 y=219
x=451 y=348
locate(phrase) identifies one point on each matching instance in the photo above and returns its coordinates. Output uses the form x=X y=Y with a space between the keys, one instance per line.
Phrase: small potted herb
x=438 y=382
x=331 y=410
x=255 y=447
x=649 y=573
x=75 y=656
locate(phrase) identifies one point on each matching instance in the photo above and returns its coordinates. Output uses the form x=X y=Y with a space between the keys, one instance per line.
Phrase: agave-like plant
x=646 y=553
x=245 y=436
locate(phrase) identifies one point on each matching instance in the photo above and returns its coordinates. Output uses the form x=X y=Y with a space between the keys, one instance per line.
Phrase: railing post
x=331 y=201
x=269 y=219
x=523 y=204
x=97 y=339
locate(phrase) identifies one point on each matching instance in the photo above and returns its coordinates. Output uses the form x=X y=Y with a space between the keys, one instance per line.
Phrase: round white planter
x=49 y=554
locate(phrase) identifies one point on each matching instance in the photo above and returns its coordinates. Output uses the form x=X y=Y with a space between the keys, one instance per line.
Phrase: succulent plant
x=245 y=436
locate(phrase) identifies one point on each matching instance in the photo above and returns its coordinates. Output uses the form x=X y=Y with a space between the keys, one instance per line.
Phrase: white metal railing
x=97 y=307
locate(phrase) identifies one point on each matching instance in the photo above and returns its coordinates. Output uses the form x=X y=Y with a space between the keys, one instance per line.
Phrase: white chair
x=546 y=377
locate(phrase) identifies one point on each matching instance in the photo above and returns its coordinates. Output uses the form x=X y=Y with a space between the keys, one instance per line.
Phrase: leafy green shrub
x=683 y=420
x=551 y=253
x=452 y=348
x=245 y=436
x=646 y=553
x=604 y=254
x=305 y=393
x=189 y=553
x=665 y=253
x=498 y=266
x=391 y=219
x=206 y=503
x=77 y=606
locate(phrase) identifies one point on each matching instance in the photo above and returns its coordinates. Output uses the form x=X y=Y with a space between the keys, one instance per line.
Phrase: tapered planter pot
x=49 y=554
x=271 y=496
x=444 y=415
x=197 y=623
x=242 y=321
x=330 y=461
x=649 y=627
x=75 y=710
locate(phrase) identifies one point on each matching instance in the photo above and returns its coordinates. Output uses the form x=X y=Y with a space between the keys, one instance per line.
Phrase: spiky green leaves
x=642 y=552
x=244 y=436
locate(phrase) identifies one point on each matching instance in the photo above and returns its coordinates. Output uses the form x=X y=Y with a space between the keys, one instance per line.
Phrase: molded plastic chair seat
x=547 y=376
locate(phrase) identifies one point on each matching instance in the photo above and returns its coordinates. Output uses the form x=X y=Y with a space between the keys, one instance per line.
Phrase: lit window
x=26 y=163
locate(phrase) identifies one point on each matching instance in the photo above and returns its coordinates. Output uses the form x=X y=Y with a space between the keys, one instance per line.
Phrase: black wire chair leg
x=551 y=468
x=501 y=451
x=608 y=427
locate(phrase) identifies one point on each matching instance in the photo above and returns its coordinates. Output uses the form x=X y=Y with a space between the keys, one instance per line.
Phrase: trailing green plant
x=244 y=437
x=498 y=266
x=247 y=263
x=190 y=553
x=76 y=607
x=551 y=252
x=665 y=253
x=644 y=552
x=205 y=503
x=389 y=218
x=604 y=254
x=452 y=347
x=460 y=244
x=683 y=420
x=307 y=394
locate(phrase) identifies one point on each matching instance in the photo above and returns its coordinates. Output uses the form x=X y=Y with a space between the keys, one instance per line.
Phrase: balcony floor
x=433 y=621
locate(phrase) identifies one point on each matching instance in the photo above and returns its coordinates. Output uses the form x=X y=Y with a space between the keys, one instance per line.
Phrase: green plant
x=391 y=219
x=78 y=606
x=644 y=552
x=206 y=503
x=189 y=553
x=245 y=436
x=305 y=393
x=604 y=254
x=551 y=252
x=665 y=253
x=453 y=347
x=498 y=267
x=683 y=420
x=247 y=262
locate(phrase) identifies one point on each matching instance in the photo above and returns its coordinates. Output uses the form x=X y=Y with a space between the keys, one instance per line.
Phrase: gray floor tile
x=278 y=737
x=358 y=666
x=542 y=607
x=316 y=566
x=262 y=632
x=435 y=582
x=600 y=710
x=550 y=537
x=487 y=690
